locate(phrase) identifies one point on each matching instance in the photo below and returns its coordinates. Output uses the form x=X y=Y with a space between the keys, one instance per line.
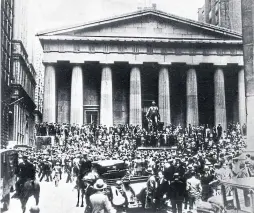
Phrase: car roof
x=7 y=150
x=247 y=183
x=108 y=162
x=22 y=145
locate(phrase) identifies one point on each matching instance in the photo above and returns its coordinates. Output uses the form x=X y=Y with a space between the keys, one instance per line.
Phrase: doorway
x=92 y=117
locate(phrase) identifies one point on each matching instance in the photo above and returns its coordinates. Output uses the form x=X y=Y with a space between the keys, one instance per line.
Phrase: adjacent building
x=38 y=65
x=109 y=71
x=7 y=14
x=23 y=83
x=223 y=13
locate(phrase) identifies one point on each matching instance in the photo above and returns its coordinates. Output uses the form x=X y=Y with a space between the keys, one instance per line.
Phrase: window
x=164 y=51
x=106 y=48
x=76 y=47
x=91 y=117
x=47 y=47
x=135 y=49
x=219 y=52
x=91 y=48
x=121 y=48
x=178 y=51
x=149 y=49
x=61 y=47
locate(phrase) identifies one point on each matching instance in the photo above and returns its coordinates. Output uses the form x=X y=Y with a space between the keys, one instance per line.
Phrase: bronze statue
x=153 y=115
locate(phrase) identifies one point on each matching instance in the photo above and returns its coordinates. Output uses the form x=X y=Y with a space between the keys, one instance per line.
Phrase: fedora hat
x=100 y=185
x=149 y=170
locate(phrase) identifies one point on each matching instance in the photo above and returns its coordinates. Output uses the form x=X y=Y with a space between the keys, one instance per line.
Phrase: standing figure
x=150 y=189
x=176 y=192
x=153 y=115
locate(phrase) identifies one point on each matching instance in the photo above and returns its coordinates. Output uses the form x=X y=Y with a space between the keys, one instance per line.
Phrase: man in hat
x=85 y=166
x=176 y=193
x=169 y=171
x=206 y=178
x=161 y=190
x=150 y=188
x=26 y=171
x=219 y=130
x=99 y=201
x=194 y=189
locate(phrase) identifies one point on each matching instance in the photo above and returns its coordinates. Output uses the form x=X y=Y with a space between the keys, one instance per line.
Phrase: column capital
x=136 y=64
x=49 y=64
x=191 y=68
x=76 y=64
x=165 y=64
x=106 y=62
x=106 y=65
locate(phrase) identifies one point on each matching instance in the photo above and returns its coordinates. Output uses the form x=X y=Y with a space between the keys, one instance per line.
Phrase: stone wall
x=235 y=16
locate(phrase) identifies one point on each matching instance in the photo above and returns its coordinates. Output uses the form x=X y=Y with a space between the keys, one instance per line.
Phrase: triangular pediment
x=147 y=24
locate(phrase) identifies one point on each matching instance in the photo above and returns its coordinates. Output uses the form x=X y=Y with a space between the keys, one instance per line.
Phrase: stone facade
x=223 y=13
x=6 y=21
x=128 y=61
x=248 y=47
x=23 y=83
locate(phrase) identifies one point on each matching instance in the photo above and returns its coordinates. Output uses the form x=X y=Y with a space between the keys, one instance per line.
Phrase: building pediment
x=145 y=24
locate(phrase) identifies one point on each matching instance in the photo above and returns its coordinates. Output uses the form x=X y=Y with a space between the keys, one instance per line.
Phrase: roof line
x=145 y=39
x=140 y=12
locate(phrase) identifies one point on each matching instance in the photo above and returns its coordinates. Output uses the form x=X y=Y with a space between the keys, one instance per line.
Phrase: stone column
x=77 y=95
x=106 y=104
x=49 y=103
x=241 y=97
x=164 y=96
x=135 y=97
x=219 y=99
x=192 y=98
x=248 y=48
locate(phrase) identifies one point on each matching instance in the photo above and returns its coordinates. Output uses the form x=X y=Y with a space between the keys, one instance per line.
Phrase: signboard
x=44 y=142
x=11 y=144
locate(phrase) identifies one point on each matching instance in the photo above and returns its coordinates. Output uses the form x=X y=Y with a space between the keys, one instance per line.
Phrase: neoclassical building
x=109 y=71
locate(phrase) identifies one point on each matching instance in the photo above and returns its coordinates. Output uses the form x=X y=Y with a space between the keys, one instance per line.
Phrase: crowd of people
x=197 y=157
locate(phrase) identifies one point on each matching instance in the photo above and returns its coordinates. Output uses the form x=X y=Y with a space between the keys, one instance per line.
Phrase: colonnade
x=135 y=96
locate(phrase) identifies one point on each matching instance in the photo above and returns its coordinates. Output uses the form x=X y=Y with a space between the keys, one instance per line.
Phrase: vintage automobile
x=237 y=195
x=110 y=169
x=23 y=147
x=9 y=164
x=115 y=174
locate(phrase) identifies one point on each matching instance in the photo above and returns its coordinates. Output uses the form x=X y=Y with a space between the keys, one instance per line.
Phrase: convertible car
x=110 y=169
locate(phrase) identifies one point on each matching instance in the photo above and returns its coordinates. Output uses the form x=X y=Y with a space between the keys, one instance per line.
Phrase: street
x=61 y=199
